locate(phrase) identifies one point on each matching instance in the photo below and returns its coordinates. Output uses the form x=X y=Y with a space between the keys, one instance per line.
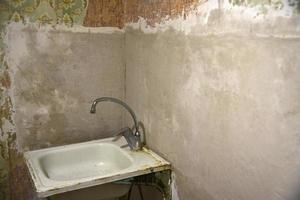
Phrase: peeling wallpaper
x=136 y=14
x=219 y=95
x=67 y=12
x=42 y=12
x=50 y=12
x=120 y=12
x=105 y=13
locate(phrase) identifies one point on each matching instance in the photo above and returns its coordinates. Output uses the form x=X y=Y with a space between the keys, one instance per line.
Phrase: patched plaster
x=219 y=97
x=241 y=20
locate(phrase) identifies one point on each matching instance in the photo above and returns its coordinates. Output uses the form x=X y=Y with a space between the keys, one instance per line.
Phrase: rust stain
x=116 y=13
x=5 y=80
x=104 y=13
x=5 y=112
x=154 y=11
x=19 y=179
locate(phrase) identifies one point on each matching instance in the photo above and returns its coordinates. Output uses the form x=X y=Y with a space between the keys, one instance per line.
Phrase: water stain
x=295 y=3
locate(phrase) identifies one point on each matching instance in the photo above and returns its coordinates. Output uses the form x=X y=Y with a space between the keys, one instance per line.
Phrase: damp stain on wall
x=92 y=13
x=5 y=109
x=52 y=12
x=295 y=3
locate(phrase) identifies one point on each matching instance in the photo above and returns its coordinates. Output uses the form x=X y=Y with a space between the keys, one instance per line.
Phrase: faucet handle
x=120 y=133
x=140 y=132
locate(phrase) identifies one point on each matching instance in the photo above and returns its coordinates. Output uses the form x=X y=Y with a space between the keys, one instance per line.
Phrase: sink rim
x=144 y=162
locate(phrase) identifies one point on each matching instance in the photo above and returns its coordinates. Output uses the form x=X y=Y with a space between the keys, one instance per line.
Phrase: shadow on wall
x=295 y=3
x=295 y=195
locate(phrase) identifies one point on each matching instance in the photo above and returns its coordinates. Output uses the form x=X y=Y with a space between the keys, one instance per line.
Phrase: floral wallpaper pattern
x=48 y=11
x=52 y=12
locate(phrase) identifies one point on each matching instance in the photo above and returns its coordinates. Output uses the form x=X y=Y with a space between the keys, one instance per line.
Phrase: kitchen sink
x=72 y=167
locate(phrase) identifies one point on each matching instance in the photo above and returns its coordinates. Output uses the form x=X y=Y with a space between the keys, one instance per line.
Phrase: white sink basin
x=84 y=161
x=66 y=168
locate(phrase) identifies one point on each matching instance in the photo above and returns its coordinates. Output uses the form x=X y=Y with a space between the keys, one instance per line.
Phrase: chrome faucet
x=132 y=135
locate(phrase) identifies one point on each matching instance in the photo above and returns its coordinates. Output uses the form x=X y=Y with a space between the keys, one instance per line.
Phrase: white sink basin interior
x=66 y=168
x=84 y=161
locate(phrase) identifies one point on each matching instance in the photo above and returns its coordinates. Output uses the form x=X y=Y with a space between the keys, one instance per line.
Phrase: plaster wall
x=217 y=88
x=56 y=75
x=220 y=100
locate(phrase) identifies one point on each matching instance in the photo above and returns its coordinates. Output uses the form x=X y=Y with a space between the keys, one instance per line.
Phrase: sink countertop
x=143 y=162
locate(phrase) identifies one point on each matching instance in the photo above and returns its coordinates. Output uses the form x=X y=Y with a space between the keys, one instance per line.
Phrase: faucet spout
x=118 y=101
x=132 y=136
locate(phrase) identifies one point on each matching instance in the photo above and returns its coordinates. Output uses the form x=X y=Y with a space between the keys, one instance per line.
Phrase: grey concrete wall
x=56 y=75
x=223 y=105
x=218 y=92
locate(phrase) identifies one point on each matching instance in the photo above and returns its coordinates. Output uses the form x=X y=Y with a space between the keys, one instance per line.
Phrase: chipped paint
x=219 y=18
